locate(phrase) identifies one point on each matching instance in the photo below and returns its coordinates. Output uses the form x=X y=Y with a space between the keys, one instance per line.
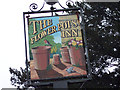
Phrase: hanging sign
x=56 y=47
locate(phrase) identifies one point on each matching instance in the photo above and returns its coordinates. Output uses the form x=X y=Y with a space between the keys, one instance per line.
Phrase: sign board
x=56 y=47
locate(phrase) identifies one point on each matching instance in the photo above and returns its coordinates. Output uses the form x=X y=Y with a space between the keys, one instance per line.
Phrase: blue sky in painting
x=57 y=35
x=55 y=21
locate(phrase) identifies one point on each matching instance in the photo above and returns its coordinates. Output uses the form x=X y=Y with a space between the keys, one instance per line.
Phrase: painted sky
x=55 y=21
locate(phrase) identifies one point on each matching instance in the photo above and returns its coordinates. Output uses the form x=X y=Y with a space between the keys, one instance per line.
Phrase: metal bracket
x=34 y=7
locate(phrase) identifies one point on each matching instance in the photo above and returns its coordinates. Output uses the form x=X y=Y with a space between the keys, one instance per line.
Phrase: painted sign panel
x=56 y=47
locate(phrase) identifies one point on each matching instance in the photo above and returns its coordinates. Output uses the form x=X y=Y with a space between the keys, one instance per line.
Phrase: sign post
x=55 y=48
x=60 y=84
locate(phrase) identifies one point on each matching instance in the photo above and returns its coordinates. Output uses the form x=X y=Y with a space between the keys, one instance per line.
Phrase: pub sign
x=56 y=47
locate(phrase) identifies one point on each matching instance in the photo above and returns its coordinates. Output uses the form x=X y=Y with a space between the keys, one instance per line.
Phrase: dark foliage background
x=102 y=26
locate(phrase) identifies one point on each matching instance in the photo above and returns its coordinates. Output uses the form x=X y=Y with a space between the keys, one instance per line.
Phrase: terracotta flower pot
x=41 y=55
x=65 y=54
x=77 y=56
x=56 y=59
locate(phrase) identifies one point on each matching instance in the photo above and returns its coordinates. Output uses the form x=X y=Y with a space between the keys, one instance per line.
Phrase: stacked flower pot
x=74 y=52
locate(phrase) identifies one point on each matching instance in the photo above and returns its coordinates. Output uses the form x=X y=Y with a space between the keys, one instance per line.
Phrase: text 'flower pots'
x=41 y=55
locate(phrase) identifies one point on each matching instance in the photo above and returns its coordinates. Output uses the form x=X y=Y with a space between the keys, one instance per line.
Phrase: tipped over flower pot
x=41 y=56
